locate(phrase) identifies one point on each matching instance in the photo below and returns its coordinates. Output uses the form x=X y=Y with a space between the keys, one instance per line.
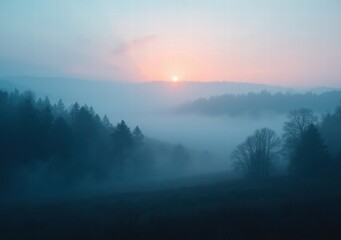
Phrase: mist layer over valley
x=122 y=158
x=170 y=119
x=170 y=115
x=154 y=106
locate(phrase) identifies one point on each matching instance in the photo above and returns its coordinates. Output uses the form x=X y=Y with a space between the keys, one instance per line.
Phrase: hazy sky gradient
x=292 y=42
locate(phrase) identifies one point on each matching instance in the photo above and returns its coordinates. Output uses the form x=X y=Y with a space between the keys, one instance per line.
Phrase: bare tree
x=255 y=156
x=294 y=128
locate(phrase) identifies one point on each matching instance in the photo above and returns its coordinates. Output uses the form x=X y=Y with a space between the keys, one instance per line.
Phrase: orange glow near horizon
x=175 y=78
x=287 y=44
x=163 y=57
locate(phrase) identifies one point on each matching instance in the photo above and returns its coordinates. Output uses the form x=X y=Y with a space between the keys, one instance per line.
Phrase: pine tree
x=122 y=136
x=138 y=136
x=311 y=157
x=106 y=123
x=74 y=112
x=60 y=108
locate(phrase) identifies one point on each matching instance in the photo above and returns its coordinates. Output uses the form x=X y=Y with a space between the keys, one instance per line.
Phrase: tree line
x=312 y=148
x=262 y=102
x=72 y=143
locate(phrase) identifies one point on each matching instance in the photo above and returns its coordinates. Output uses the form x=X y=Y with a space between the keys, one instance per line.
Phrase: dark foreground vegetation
x=274 y=209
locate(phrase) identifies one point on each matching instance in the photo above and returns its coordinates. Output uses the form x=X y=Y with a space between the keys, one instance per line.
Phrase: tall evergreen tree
x=106 y=123
x=331 y=131
x=311 y=157
x=138 y=136
x=122 y=136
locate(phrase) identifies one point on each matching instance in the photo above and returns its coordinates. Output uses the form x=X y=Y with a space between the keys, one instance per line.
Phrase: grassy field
x=274 y=209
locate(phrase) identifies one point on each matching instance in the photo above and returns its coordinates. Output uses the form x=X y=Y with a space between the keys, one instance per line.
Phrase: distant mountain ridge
x=135 y=97
x=200 y=88
x=139 y=96
x=204 y=89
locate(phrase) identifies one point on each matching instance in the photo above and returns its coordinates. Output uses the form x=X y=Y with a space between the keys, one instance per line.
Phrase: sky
x=278 y=42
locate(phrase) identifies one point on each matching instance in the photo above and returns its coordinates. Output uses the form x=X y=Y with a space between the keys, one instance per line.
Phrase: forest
x=61 y=146
x=310 y=147
x=255 y=104
x=170 y=120
x=73 y=144
x=274 y=181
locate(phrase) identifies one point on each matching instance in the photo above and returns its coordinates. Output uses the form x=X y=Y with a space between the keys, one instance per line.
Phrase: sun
x=175 y=78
